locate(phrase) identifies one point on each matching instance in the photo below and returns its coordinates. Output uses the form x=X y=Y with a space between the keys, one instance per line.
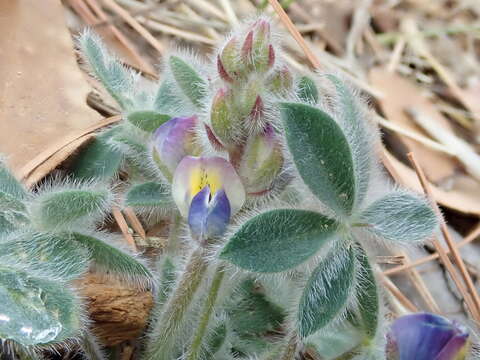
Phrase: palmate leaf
x=98 y=160
x=150 y=194
x=148 y=121
x=188 y=80
x=401 y=217
x=327 y=291
x=60 y=209
x=278 y=240
x=109 y=258
x=321 y=154
x=35 y=310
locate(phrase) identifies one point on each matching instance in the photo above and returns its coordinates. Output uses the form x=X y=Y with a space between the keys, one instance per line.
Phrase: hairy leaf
x=321 y=154
x=150 y=194
x=60 y=209
x=357 y=134
x=36 y=311
x=98 y=160
x=114 y=76
x=307 y=90
x=401 y=217
x=278 y=240
x=148 y=121
x=167 y=98
x=111 y=259
x=327 y=291
x=10 y=185
x=46 y=255
x=188 y=79
x=367 y=295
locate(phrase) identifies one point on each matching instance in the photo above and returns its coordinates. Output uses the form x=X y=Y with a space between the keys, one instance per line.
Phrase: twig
x=135 y=222
x=421 y=287
x=295 y=33
x=468 y=239
x=397 y=293
x=146 y=67
x=473 y=306
x=129 y=19
x=122 y=224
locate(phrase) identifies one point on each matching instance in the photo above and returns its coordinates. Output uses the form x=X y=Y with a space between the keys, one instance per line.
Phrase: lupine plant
x=274 y=196
x=267 y=177
x=48 y=239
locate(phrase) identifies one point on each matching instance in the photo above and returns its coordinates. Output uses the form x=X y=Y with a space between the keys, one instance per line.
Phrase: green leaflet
x=367 y=295
x=113 y=75
x=98 y=160
x=327 y=291
x=150 y=194
x=56 y=210
x=401 y=217
x=307 y=90
x=111 y=259
x=167 y=99
x=10 y=185
x=46 y=255
x=278 y=240
x=188 y=80
x=321 y=154
x=36 y=311
x=148 y=121
x=357 y=135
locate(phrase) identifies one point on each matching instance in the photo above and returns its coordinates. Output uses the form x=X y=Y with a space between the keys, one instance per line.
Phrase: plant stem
x=174 y=234
x=170 y=320
x=207 y=311
x=290 y=347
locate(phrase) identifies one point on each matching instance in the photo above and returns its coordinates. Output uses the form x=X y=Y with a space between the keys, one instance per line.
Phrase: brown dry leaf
x=463 y=197
x=43 y=92
x=399 y=95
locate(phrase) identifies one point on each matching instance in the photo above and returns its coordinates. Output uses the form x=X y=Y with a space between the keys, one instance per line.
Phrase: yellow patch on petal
x=199 y=178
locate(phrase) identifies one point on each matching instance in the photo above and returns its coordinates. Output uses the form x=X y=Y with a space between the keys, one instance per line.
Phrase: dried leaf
x=43 y=91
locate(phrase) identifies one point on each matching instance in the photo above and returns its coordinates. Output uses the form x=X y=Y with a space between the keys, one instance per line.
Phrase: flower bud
x=257 y=51
x=425 y=336
x=228 y=62
x=207 y=191
x=172 y=141
x=280 y=81
x=262 y=162
x=223 y=119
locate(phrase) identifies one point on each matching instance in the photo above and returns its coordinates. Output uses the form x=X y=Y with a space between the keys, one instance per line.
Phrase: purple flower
x=207 y=191
x=425 y=336
x=172 y=141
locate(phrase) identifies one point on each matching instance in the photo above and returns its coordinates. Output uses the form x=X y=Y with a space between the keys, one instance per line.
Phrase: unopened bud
x=261 y=162
x=257 y=51
x=280 y=81
x=223 y=119
x=228 y=62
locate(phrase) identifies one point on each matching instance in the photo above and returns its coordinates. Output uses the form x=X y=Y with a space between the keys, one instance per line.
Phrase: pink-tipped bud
x=216 y=144
x=229 y=61
x=222 y=72
x=223 y=119
x=247 y=48
x=257 y=113
x=271 y=56
x=280 y=81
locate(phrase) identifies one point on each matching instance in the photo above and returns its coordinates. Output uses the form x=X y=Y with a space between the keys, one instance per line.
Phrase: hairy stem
x=171 y=318
x=174 y=234
x=290 y=347
x=91 y=348
x=207 y=311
